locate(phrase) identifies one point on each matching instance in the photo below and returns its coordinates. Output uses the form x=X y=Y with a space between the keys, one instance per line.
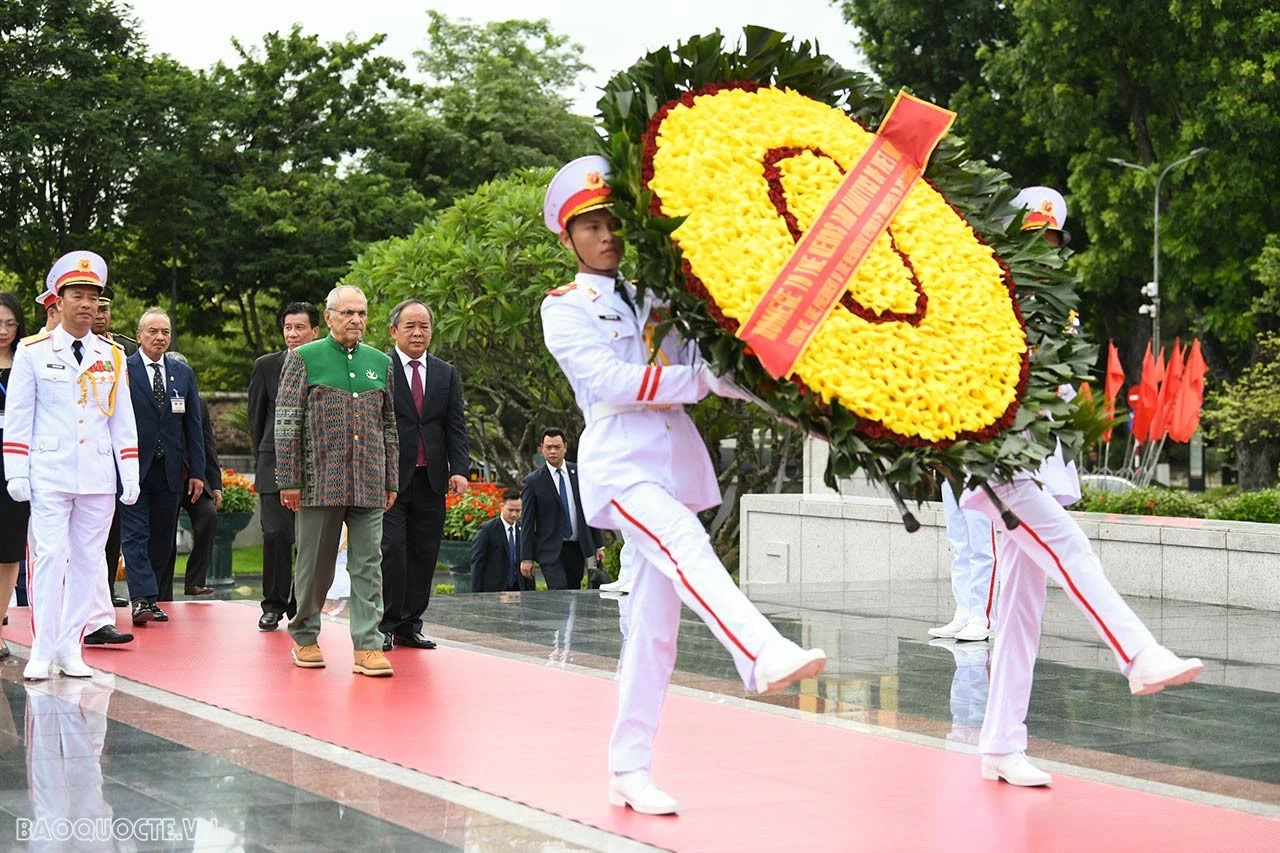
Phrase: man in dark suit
x=166 y=407
x=556 y=537
x=495 y=552
x=102 y=328
x=434 y=459
x=203 y=513
x=300 y=321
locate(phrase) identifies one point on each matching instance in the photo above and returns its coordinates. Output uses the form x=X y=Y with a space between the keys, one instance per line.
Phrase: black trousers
x=411 y=532
x=204 y=524
x=277 y=556
x=566 y=573
x=149 y=528
x=113 y=550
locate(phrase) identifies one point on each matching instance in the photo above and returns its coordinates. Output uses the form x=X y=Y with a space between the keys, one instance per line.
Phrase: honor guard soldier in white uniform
x=649 y=475
x=69 y=429
x=1049 y=544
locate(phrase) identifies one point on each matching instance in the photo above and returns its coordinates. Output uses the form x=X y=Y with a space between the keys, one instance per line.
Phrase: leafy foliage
x=981 y=193
x=494 y=103
x=1261 y=506
x=1146 y=500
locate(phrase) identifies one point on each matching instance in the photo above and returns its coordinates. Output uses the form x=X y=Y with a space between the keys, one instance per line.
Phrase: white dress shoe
x=949 y=630
x=636 y=789
x=37 y=670
x=1156 y=668
x=974 y=631
x=620 y=585
x=783 y=663
x=73 y=667
x=1014 y=769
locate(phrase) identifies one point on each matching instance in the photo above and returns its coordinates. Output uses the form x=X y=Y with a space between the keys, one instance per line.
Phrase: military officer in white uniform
x=649 y=475
x=69 y=429
x=1049 y=544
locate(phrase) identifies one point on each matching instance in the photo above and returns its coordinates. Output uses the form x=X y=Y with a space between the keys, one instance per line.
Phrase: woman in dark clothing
x=13 y=515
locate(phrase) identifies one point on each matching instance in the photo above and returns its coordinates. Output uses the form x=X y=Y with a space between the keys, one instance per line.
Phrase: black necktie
x=621 y=290
x=78 y=349
x=157 y=389
x=157 y=385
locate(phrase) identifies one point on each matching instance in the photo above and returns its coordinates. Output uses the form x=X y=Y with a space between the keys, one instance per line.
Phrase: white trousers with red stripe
x=66 y=540
x=973 y=563
x=101 y=611
x=674 y=563
x=1047 y=544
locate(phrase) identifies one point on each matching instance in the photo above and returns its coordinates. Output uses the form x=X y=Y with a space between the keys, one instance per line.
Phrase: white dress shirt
x=568 y=490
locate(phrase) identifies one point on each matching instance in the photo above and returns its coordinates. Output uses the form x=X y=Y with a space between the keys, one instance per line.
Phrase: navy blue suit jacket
x=182 y=434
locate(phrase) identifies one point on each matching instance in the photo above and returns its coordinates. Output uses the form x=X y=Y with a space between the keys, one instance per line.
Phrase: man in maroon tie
x=434 y=459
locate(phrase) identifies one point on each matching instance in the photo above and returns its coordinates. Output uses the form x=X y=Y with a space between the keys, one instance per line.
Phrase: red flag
x=1148 y=390
x=1169 y=391
x=1114 y=381
x=1186 y=416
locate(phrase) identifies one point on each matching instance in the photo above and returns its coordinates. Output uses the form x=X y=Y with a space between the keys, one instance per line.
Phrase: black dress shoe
x=157 y=614
x=269 y=621
x=415 y=640
x=198 y=591
x=386 y=642
x=107 y=634
x=4 y=650
x=142 y=611
x=119 y=600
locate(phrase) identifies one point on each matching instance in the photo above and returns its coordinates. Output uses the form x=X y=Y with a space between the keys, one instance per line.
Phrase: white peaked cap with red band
x=582 y=185
x=1045 y=208
x=78 y=267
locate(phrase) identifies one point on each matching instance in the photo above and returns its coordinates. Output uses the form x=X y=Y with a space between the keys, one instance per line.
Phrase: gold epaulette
x=36 y=338
x=111 y=341
x=562 y=289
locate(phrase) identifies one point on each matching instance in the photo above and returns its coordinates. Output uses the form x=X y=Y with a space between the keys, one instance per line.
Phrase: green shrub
x=1148 y=500
x=1262 y=506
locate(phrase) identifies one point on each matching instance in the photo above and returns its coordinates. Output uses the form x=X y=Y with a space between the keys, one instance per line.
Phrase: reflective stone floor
x=183 y=776
x=1220 y=735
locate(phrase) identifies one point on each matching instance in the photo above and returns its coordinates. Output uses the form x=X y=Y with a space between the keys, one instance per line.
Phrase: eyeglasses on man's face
x=348 y=313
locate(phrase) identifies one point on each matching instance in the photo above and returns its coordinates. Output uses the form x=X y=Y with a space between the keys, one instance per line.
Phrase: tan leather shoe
x=308 y=657
x=371 y=662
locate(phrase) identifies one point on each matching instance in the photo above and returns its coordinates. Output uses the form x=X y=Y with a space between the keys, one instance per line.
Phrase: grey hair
x=178 y=357
x=155 y=311
x=331 y=301
x=394 y=319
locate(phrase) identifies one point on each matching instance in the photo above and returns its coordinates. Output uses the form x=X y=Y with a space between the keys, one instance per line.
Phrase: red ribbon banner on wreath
x=828 y=255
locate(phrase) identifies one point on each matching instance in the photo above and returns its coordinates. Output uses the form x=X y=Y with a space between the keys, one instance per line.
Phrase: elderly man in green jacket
x=336 y=457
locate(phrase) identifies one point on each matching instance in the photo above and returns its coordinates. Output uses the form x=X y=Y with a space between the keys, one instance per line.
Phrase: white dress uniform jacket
x=637 y=428
x=56 y=430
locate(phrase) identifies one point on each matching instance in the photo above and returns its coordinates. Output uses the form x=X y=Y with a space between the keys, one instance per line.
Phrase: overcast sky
x=614 y=35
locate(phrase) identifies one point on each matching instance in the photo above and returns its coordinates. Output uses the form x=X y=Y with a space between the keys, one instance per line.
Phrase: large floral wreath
x=947 y=349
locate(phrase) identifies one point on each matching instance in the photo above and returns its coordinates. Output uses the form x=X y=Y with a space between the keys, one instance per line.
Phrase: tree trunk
x=1257 y=462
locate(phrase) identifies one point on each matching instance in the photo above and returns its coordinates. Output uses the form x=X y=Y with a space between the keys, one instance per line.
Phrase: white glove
x=129 y=494
x=722 y=386
x=20 y=489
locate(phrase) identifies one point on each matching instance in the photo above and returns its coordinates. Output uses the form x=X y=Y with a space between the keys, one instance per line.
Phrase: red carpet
x=746 y=779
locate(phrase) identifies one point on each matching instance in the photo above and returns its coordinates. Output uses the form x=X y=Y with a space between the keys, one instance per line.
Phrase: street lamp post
x=1152 y=288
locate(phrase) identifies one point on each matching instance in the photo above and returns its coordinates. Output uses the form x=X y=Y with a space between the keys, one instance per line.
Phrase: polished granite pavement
x=1220 y=735
x=110 y=748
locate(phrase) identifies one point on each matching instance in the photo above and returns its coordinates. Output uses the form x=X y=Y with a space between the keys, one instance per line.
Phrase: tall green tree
x=494 y=102
x=265 y=194
x=80 y=103
x=939 y=49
